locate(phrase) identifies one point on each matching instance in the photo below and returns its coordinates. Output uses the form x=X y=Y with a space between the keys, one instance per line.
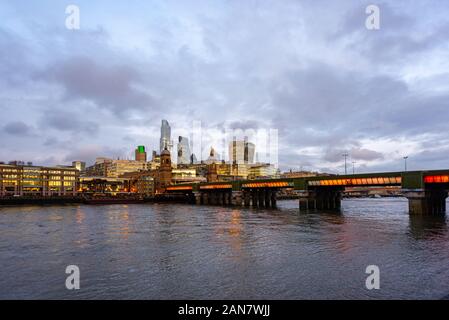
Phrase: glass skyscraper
x=241 y=152
x=165 y=141
x=183 y=151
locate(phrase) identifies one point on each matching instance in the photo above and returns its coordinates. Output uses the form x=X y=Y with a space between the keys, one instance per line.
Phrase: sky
x=309 y=69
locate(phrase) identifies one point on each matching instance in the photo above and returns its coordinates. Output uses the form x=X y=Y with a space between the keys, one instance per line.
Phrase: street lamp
x=353 y=167
x=346 y=156
x=405 y=163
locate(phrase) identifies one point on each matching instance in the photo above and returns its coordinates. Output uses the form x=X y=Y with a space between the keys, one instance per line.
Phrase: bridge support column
x=426 y=202
x=197 y=196
x=267 y=198
x=254 y=198
x=307 y=200
x=205 y=198
x=246 y=198
x=320 y=199
x=228 y=198
x=261 y=196
x=273 y=198
x=212 y=198
x=236 y=198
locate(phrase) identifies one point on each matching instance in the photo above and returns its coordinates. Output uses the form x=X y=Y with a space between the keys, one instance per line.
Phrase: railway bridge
x=426 y=191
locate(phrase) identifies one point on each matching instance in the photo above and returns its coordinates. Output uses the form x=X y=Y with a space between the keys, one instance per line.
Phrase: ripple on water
x=181 y=251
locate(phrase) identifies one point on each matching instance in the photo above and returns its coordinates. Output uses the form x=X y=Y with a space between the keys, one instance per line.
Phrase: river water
x=177 y=251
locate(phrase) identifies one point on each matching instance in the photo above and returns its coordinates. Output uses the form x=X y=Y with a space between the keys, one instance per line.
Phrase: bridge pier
x=426 y=201
x=273 y=198
x=259 y=198
x=246 y=198
x=236 y=198
x=213 y=198
x=205 y=198
x=198 y=199
x=267 y=198
x=320 y=199
x=261 y=195
x=254 y=198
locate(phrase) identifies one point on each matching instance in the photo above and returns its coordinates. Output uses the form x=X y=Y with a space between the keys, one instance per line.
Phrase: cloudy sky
x=310 y=69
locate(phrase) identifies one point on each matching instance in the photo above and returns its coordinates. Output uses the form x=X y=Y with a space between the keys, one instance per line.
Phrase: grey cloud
x=15 y=66
x=365 y=154
x=115 y=87
x=244 y=125
x=17 y=128
x=355 y=153
x=400 y=35
x=264 y=64
x=89 y=153
x=68 y=121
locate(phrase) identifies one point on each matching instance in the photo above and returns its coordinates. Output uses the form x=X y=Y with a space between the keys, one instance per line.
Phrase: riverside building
x=25 y=180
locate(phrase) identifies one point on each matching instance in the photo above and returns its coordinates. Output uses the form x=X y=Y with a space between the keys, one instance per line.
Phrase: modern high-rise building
x=241 y=152
x=183 y=150
x=140 y=154
x=165 y=141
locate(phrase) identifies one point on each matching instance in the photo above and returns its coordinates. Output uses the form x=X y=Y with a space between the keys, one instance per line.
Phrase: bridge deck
x=409 y=180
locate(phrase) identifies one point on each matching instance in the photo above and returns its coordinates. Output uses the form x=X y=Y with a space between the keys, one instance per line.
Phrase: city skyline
x=311 y=76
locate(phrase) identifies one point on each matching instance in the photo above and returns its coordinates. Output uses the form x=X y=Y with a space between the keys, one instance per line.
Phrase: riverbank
x=170 y=198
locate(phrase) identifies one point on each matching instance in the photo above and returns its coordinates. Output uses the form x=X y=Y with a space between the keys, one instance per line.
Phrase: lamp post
x=405 y=163
x=346 y=156
x=353 y=167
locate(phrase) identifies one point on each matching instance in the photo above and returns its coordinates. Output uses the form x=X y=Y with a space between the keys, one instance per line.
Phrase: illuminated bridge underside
x=425 y=190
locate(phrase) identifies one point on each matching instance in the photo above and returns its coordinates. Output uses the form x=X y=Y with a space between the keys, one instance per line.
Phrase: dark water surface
x=166 y=251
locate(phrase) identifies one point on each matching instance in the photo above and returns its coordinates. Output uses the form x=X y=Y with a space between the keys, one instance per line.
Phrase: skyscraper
x=183 y=150
x=241 y=152
x=165 y=141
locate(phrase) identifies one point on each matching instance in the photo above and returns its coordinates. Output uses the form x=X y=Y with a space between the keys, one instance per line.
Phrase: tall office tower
x=183 y=150
x=241 y=151
x=193 y=159
x=165 y=141
x=141 y=154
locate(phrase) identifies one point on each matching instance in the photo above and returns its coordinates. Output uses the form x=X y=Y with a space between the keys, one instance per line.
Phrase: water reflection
x=80 y=215
x=428 y=227
x=124 y=222
x=211 y=252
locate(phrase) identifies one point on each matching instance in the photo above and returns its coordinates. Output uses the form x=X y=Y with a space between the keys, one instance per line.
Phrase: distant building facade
x=140 y=154
x=100 y=168
x=79 y=165
x=24 y=180
x=263 y=171
x=105 y=167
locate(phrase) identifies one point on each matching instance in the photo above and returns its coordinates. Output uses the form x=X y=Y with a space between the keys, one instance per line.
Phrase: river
x=178 y=251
